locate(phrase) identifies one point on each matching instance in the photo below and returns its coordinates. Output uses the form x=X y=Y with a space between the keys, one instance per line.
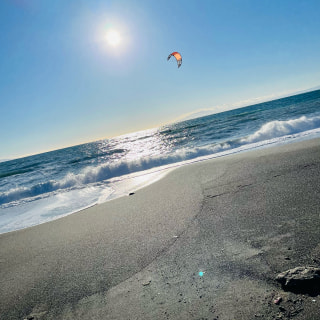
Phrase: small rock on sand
x=277 y=300
x=300 y=279
x=146 y=283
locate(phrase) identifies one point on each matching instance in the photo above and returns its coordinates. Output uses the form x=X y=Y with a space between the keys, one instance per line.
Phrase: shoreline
x=232 y=218
x=164 y=170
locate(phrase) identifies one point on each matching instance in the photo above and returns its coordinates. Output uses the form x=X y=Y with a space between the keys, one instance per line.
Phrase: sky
x=75 y=71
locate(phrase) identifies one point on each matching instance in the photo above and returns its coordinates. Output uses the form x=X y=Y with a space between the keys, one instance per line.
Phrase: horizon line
x=186 y=117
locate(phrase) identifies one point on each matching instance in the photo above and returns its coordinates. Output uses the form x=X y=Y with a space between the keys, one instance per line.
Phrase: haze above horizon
x=78 y=71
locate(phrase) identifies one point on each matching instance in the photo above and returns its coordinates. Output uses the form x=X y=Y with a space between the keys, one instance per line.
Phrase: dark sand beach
x=240 y=220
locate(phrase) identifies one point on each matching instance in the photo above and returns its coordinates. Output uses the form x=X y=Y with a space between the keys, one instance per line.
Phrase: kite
x=178 y=57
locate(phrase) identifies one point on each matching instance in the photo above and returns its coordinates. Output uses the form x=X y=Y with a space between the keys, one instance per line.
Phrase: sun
x=113 y=38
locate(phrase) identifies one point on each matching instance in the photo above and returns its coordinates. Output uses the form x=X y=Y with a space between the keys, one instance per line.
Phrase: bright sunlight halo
x=113 y=38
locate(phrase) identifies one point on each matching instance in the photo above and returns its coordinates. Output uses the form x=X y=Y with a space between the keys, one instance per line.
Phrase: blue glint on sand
x=200 y=273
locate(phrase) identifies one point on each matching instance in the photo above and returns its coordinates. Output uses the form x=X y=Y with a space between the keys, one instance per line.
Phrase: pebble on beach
x=300 y=279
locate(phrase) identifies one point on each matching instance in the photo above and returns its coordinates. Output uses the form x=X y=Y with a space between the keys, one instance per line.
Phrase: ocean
x=46 y=186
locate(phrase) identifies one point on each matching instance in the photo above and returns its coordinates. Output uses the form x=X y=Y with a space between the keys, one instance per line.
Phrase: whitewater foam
x=271 y=132
x=277 y=128
x=46 y=186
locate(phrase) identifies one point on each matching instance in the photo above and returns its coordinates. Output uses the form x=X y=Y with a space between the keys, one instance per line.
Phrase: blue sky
x=62 y=83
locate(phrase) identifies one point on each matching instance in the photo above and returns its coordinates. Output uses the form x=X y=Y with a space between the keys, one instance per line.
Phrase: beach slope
x=205 y=242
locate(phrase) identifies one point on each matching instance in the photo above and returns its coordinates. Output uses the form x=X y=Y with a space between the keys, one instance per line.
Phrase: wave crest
x=103 y=172
x=277 y=128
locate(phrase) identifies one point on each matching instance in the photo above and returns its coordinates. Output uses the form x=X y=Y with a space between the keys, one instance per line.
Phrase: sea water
x=50 y=185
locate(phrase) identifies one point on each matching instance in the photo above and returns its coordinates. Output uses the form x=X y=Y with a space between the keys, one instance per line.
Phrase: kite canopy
x=178 y=57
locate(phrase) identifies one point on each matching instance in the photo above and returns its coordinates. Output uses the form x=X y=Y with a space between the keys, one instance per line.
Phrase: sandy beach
x=240 y=219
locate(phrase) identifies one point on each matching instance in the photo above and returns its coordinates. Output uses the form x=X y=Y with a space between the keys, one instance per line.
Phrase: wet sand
x=240 y=220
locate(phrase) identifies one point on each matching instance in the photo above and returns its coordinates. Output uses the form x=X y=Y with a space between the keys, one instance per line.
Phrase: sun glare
x=113 y=38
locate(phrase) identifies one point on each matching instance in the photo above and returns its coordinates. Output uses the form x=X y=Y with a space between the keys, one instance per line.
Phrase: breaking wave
x=276 y=129
x=96 y=174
